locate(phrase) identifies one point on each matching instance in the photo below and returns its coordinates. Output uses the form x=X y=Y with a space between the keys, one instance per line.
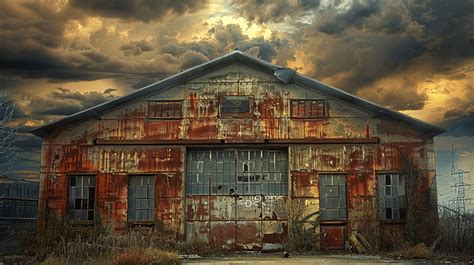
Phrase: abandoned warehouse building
x=242 y=154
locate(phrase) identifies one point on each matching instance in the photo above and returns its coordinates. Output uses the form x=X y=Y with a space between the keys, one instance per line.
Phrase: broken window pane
x=141 y=198
x=392 y=200
x=81 y=198
x=242 y=172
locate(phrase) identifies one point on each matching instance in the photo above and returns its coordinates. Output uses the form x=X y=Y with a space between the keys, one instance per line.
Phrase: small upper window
x=235 y=106
x=308 y=108
x=165 y=109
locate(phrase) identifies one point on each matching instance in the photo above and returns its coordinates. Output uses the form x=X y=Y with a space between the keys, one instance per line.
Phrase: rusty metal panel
x=202 y=129
x=304 y=184
x=333 y=237
x=361 y=184
x=305 y=209
x=274 y=234
x=162 y=129
x=169 y=185
x=249 y=235
x=170 y=209
x=223 y=208
x=249 y=207
x=223 y=234
x=274 y=207
x=197 y=208
x=111 y=197
x=198 y=231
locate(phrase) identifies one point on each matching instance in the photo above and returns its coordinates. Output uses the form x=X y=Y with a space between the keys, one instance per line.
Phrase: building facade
x=241 y=153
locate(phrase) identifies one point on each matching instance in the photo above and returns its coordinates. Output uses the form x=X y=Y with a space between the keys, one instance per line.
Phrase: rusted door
x=333 y=237
x=236 y=198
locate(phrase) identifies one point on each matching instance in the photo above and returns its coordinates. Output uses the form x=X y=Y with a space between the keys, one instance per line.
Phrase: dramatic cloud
x=143 y=10
x=60 y=57
x=262 y=11
x=136 y=48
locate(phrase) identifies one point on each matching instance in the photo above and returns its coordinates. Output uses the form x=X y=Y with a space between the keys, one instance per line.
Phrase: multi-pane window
x=239 y=172
x=235 y=106
x=141 y=198
x=81 y=201
x=308 y=108
x=392 y=199
x=165 y=109
x=332 y=189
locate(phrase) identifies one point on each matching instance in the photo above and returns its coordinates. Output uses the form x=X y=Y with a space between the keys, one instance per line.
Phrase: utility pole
x=460 y=187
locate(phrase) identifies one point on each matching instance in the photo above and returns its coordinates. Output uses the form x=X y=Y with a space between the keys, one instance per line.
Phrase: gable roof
x=283 y=74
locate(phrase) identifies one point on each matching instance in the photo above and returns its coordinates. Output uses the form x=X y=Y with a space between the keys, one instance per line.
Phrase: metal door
x=236 y=198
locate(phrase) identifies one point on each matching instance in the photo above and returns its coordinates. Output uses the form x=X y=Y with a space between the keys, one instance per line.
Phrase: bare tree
x=7 y=135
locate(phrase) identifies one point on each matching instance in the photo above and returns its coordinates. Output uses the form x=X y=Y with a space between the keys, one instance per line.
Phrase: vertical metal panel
x=231 y=188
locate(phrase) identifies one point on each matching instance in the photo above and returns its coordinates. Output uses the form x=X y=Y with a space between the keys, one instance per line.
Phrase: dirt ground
x=302 y=260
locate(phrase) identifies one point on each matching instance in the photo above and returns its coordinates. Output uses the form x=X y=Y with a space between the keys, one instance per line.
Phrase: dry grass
x=420 y=251
x=147 y=256
x=53 y=260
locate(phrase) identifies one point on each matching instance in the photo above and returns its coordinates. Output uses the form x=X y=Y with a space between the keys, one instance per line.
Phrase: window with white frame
x=141 y=198
x=392 y=198
x=81 y=201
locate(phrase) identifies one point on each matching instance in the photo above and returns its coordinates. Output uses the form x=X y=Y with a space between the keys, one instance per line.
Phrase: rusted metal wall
x=312 y=145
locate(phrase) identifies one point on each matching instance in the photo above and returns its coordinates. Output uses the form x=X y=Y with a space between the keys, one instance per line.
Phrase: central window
x=235 y=106
x=237 y=172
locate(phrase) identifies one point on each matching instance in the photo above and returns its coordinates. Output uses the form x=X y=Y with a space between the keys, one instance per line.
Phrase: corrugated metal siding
x=349 y=141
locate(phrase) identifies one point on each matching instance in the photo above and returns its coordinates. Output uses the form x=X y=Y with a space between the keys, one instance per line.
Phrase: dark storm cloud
x=459 y=127
x=144 y=10
x=220 y=40
x=354 y=47
x=63 y=101
x=136 y=48
x=33 y=43
x=331 y=21
x=263 y=11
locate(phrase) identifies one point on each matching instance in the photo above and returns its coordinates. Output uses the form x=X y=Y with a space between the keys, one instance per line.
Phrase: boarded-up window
x=235 y=106
x=237 y=172
x=165 y=109
x=141 y=198
x=81 y=201
x=308 y=108
x=333 y=197
x=392 y=199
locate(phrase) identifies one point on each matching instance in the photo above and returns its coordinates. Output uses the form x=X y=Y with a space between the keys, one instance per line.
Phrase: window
x=392 y=198
x=81 y=198
x=141 y=198
x=332 y=189
x=235 y=106
x=308 y=108
x=165 y=109
x=237 y=172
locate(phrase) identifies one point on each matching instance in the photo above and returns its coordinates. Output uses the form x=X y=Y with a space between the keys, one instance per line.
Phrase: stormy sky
x=417 y=57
